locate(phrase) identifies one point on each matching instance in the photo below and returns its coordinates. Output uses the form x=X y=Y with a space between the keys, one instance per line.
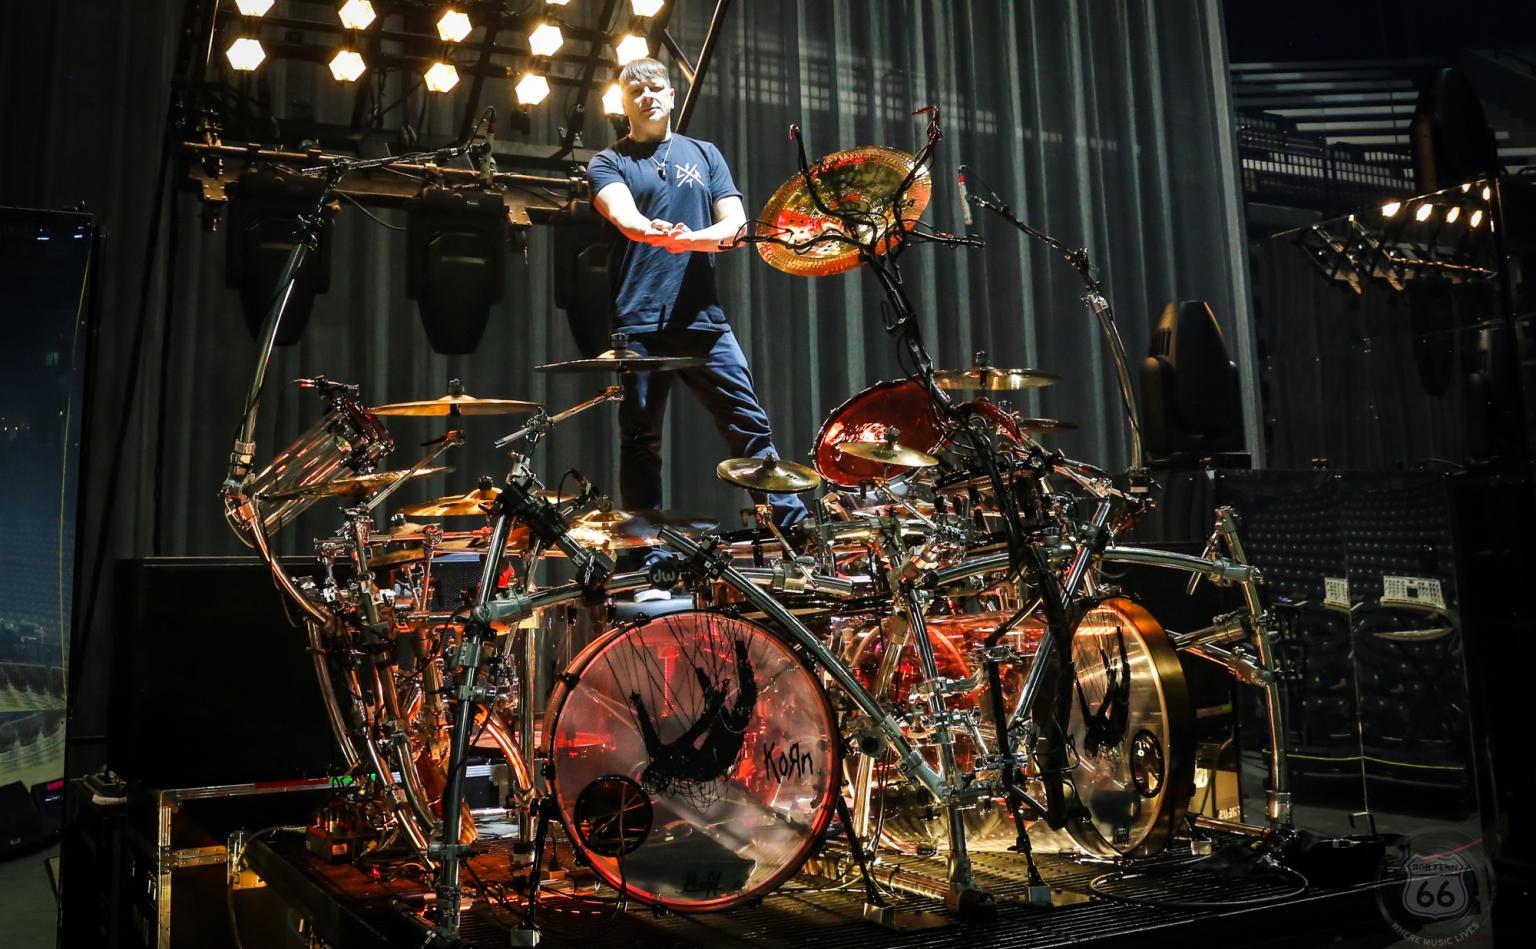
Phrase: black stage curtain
x=1104 y=122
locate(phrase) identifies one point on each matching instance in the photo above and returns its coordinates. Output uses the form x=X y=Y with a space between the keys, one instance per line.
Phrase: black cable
x=1099 y=883
x=172 y=235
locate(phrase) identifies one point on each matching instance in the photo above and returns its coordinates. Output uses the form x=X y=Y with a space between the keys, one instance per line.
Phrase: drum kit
x=935 y=661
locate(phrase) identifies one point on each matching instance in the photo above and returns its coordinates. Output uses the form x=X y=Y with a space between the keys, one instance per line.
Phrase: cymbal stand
x=516 y=502
x=1098 y=304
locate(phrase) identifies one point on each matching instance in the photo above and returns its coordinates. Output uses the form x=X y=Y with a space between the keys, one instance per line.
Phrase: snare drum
x=347 y=440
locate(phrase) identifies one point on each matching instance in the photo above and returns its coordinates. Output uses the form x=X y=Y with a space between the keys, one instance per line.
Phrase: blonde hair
x=644 y=70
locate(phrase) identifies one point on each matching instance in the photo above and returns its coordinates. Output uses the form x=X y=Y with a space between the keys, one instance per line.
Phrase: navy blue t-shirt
x=677 y=181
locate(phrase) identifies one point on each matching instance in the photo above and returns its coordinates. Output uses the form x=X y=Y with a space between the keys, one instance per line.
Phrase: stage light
x=557 y=3
x=1391 y=208
x=1452 y=214
x=453 y=26
x=630 y=47
x=546 y=39
x=441 y=77
x=253 y=7
x=347 y=65
x=1424 y=211
x=613 y=100
x=1487 y=192
x=356 y=14
x=1475 y=219
x=456 y=264
x=646 y=7
x=245 y=54
x=531 y=89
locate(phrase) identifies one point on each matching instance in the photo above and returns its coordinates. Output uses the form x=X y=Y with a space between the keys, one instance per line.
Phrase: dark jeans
x=723 y=385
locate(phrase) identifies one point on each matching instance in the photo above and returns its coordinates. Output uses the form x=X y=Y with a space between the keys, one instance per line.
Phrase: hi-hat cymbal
x=768 y=474
x=887 y=453
x=459 y=404
x=1044 y=426
x=623 y=359
x=859 y=180
x=993 y=379
x=353 y=486
x=476 y=502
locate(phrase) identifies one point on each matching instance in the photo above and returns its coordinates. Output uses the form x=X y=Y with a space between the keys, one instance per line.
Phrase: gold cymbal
x=623 y=360
x=602 y=538
x=352 y=486
x=860 y=180
x=458 y=404
x=993 y=379
x=476 y=502
x=768 y=474
x=887 y=453
x=602 y=518
x=1044 y=426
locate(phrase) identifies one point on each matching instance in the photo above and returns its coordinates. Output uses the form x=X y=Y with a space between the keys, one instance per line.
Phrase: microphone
x=965 y=201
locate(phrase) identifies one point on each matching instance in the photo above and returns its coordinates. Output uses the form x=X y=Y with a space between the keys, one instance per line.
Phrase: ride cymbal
x=353 y=486
x=862 y=181
x=768 y=474
x=621 y=358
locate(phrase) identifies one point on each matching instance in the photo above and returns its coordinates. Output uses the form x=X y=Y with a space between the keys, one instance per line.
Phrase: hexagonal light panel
x=613 y=100
x=441 y=77
x=546 y=39
x=356 y=14
x=245 y=54
x=631 y=47
x=453 y=26
x=646 y=7
x=253 y=7
x=347 y=65
x=531 y=89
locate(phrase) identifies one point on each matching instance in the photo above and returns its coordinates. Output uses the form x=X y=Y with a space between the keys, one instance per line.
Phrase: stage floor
x=349 y=908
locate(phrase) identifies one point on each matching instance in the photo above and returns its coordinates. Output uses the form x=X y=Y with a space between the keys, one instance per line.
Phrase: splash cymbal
x=768 y=474
x=887 y=453
x=860 y=180
x=476 y=502
x=459 y=404
x=353 y=486
x=993 y=379
x=1044 y=426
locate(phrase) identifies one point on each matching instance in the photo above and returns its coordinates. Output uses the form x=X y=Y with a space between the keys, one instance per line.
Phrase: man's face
x=648 y=100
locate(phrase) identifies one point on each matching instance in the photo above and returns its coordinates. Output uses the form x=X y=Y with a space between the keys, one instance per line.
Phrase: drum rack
x=347 y=909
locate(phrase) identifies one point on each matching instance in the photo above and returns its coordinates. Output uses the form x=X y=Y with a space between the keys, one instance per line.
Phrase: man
x=673 y=199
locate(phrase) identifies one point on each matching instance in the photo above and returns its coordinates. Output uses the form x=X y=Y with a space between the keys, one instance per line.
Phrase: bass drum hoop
x=1179 y=767
x=571 y=677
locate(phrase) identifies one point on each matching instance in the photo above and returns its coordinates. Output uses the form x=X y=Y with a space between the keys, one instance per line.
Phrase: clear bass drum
x=693 y=759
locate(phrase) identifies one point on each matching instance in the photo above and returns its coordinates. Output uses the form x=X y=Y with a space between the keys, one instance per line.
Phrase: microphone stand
x=1138 y=480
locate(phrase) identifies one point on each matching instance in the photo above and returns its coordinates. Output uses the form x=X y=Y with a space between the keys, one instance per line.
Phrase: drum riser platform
x=350 y=910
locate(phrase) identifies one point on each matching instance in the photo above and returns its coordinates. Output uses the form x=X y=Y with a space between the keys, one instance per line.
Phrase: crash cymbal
x=602 y=539
x=476 y=502
x=768 y=474
x=993 y=379
x=602 y=518
x=886 y=453
x=352 y=486
x=1044 y=426
x=860 y=180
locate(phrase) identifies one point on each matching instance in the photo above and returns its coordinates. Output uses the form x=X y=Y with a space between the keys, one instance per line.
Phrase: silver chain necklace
x=661 y=166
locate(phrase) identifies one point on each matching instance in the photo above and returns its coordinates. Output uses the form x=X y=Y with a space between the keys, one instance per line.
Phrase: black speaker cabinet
x=212 y=682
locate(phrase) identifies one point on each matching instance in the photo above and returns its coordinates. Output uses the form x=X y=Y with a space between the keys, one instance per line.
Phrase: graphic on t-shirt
x=687 y=174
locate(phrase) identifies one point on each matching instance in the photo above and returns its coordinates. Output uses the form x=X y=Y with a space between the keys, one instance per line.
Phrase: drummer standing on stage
x=673 y=198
